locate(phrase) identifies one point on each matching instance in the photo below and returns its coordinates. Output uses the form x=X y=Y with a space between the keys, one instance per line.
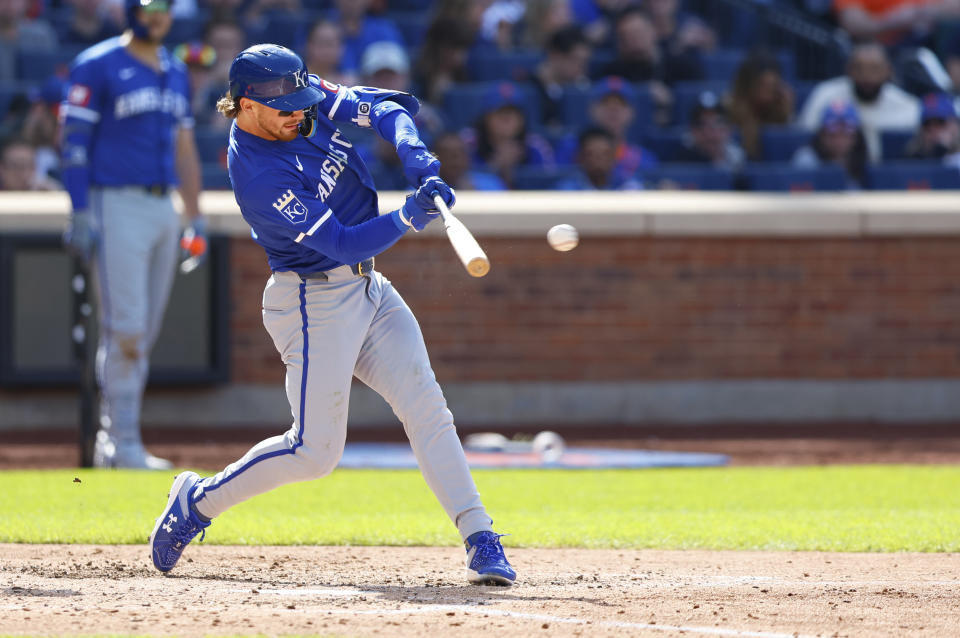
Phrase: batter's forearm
x=351 y=244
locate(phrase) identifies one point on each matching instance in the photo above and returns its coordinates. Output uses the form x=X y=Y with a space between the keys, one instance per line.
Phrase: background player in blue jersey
x=311 y=204
x=127 y=142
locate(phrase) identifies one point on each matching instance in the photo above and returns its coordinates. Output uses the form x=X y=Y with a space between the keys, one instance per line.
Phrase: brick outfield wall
x=657 y=309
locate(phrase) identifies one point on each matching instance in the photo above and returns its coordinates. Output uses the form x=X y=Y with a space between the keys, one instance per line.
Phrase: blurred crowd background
x=782 y=95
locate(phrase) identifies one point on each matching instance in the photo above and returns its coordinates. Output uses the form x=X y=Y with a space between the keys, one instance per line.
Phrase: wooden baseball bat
x=463 y=242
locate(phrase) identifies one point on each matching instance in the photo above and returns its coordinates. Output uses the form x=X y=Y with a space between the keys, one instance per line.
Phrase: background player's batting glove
x=80 y=237
x=416 y=216
x=193 y=244
x=435 y=186
x=418 y=163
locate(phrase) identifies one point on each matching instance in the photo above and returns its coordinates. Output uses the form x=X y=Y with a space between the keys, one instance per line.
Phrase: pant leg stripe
x=303 y=404
x=101 y=257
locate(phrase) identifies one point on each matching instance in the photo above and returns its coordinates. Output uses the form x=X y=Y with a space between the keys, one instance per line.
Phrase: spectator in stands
x=501 y=22
x=199 y=59
x=564 y=67
x=597 y=17
x=639 y=58
x=386 y=65
x=443 y=59
x=685 y=37
x=612 y=109
x=227 y=38
x=323 y=53
x=893 y=22
x=544 y=18
x=19 y=34
x=259 y=12
x=709 y=138
x=18 y=168
x=40 y=129
x=360 y=30
x=840 y=141
x=760 y=97
x=502 y=142
x=456 y=166
x=882 y=105
x=88 y=24
x=224 y=9
x=597 y=165
x=939 y=134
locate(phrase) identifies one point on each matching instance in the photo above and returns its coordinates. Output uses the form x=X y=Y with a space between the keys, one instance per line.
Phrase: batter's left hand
x=193 y=244
x=418 y=163
x=435 y=186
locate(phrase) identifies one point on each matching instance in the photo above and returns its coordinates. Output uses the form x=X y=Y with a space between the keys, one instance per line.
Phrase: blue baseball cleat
x=178 y=525
x=486 y=562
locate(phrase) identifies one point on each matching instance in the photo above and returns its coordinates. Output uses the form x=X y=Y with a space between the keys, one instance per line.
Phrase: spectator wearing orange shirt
x=893 y=22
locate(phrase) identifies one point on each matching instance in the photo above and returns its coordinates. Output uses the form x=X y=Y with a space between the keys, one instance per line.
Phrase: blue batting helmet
x=139 y=30
x=274 y=76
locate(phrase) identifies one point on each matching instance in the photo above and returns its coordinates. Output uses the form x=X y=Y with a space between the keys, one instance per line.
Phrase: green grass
x=858 y=508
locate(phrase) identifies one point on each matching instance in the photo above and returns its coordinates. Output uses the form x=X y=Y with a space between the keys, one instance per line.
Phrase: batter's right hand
x=80 y=237
x=416 y=216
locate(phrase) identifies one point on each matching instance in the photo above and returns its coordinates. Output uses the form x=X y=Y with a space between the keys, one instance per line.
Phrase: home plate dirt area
x=417 y=591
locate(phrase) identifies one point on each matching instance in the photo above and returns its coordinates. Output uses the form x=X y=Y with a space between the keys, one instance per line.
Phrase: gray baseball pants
x=133 y=273
x=328 y=331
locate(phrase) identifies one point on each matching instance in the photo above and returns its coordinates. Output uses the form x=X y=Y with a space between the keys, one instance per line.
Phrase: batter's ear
x=245 y=104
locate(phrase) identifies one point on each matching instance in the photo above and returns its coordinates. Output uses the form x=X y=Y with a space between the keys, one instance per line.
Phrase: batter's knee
x=130 y=345
x=319 y=459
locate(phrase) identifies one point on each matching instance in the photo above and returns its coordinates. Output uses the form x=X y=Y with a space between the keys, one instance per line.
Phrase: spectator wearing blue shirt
x=612 y=109
x=360 y=31
x=709 y=138
x=840 y=141
x=564 y=67
x=597 y=165
x=502 y=142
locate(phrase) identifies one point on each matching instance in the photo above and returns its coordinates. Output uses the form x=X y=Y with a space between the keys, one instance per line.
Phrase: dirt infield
x=378 y=591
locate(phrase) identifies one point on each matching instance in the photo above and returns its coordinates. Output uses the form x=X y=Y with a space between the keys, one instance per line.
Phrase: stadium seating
x=692 y=177
x=576 y=109
x=722 y=64
x=664 y=142
x=513 y=66
x=784 y=177
x=33 y=67
x=894 y=144
x=215 y=177
x=915 y=175
x=212 y=145
x=541 y=178
x=464 y=103
x=779 y=143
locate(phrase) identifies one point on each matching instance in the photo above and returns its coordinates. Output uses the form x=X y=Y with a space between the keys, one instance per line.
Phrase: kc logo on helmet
x=290 y=207
x=300 y=79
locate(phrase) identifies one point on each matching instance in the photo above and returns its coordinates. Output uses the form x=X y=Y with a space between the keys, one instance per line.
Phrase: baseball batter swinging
x=312 y=206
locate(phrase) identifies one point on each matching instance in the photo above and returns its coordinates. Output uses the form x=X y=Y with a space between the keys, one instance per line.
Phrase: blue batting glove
x=435 y=186
x=80 y=238
x=418 y=163
x=416 y=216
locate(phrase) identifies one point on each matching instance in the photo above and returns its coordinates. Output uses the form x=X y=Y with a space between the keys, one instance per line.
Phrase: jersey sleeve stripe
x=314 y=228
x=88 y=115
x=336 y=104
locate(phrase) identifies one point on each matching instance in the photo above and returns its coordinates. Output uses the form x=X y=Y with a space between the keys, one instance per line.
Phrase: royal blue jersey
x=311 y=202
x=121 y=119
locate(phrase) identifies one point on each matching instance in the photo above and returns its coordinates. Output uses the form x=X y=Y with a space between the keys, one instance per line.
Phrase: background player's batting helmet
x=273 y=75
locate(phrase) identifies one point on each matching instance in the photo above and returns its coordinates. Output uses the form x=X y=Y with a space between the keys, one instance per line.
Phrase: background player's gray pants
x=327 y=332
x=133 y=274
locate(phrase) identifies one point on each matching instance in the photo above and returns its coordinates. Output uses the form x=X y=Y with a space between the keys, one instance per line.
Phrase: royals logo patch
x=290 y=207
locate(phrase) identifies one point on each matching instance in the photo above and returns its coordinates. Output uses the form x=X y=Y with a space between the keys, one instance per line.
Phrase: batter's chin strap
x=308 y=127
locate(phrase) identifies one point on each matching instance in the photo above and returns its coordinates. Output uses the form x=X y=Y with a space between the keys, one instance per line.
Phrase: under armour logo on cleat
x=168 y=526
x=424 y=157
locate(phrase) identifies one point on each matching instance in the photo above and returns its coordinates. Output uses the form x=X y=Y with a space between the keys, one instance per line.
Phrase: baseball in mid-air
x=563 y=237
